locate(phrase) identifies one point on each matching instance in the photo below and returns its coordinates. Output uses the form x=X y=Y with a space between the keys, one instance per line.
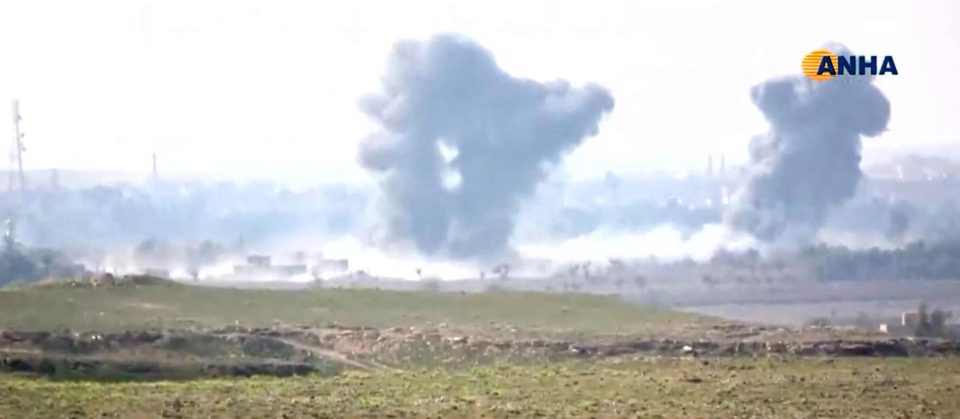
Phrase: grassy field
x=413 y=377
x=115 y=308
x=841 y=388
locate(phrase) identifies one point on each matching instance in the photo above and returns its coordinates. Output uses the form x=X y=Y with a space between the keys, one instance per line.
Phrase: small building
x=258 y=260
x=262 y=267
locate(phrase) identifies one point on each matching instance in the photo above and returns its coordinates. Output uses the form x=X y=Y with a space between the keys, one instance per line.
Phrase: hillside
x=180 y=306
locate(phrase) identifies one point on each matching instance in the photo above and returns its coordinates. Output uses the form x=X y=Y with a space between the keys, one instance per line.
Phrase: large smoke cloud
x=809 y=161
x=462 y=142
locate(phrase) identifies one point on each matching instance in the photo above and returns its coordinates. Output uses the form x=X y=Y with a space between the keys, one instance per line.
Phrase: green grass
x=104 y=309
x=427 y=385
x=842 y=388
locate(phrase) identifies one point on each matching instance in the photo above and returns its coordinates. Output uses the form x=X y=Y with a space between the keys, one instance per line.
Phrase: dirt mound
x=176 y=346
x=78 y=343
x=112 y=369
x=103 y=281
x=396 y=344
x=292 y=350
x=837 y=348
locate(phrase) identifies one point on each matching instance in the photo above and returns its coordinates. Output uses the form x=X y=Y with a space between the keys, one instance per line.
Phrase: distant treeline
x=914 y=261
x=920 y=260
x=917 y=260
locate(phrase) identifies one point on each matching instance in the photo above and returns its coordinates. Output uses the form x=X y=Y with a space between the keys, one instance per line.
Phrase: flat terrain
x=158 y=349
x=728 y=387
x=182 y=306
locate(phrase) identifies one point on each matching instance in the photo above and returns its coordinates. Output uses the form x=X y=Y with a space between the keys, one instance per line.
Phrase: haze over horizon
x=270 y=89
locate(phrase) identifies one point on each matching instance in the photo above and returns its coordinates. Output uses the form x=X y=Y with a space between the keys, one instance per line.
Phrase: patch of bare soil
x=286 y=350
x=357 y=342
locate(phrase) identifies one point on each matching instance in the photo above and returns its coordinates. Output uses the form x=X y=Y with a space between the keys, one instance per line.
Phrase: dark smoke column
x=462 y=143
x=809 y=161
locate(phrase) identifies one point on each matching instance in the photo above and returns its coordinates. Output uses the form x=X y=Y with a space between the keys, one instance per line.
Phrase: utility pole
x=156 y=174
x=16 y=152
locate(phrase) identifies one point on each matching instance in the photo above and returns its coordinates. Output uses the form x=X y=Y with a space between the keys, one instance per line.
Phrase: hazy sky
x=261 y=87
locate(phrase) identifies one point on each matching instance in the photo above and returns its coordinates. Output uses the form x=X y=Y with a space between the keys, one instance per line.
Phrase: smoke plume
x=462 y=143
x=809 y=161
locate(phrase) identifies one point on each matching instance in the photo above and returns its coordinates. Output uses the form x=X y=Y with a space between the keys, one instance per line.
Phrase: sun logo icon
x=811 y=64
